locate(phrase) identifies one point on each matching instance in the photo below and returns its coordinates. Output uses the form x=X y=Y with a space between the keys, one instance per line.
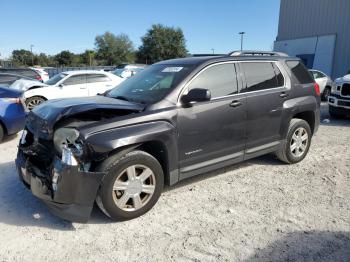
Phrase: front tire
x=34 y=101
x=2 y=133
x=132 y=185
x=333 y=114
x=326 y=93
x=297 y=143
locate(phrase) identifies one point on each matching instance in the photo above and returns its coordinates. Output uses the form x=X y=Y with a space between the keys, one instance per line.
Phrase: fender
x=295 y=106
x=160 y=131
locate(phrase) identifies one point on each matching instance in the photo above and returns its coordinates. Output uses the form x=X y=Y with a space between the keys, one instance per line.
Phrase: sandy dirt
x=260 y=210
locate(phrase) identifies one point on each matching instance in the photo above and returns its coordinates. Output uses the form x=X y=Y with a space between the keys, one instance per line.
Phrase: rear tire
x=132 y=185
x=34 y=101
x=2 y=133
x=297 y=143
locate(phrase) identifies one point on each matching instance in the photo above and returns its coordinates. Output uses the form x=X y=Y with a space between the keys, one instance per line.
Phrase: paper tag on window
x=172 y=69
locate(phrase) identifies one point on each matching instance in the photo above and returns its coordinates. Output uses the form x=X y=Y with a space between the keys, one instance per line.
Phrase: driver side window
x=220 y=79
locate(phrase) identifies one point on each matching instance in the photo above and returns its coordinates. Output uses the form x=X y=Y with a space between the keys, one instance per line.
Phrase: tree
x=22 y=57
x=88 y=58
x=114 y=49
x=162 y=42
x=43 y=60
x=66 y=58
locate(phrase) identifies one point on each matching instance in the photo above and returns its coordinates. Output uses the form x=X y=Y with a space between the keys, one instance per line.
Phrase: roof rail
x=256 y=53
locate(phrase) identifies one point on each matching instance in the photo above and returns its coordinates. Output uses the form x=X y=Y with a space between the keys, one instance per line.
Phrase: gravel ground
x=260 y=210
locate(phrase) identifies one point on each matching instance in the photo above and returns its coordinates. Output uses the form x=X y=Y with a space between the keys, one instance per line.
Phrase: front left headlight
x=65 y=138
x=334 y=88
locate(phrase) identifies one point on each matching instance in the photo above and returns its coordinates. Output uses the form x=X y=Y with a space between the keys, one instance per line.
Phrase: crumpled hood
x=24 y=84
x=54 y=110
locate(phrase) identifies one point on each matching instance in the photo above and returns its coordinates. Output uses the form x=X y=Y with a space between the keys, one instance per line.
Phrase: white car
x=323 y=81
x=67 y=84
x=44 y=75
x=127 y=71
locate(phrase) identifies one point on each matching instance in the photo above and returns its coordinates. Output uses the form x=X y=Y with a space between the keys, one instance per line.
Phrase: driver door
x=212 y=133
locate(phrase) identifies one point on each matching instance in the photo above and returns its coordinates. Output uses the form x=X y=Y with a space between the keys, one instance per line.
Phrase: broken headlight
x=67 y=144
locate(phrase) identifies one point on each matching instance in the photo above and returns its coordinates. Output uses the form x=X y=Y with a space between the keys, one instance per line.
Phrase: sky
x=53 y=26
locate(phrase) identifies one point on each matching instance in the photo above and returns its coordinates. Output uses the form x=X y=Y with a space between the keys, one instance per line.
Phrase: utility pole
x=242 y=34
x=213 y=50
x=31 y=51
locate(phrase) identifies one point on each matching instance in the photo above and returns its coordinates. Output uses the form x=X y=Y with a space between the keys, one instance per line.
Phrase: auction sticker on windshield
x=172 y=69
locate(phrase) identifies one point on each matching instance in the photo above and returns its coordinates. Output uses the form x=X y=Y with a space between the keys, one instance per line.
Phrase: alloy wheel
x=299 y=142
x=33 y=103
x=134 y=187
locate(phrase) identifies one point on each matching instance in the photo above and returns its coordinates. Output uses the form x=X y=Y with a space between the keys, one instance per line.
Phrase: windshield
x=52 y=81
x=118 y=72
x=151 y=84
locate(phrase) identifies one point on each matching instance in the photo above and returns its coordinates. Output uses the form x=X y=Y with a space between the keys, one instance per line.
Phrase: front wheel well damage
x=309 y=117
x=155 y=148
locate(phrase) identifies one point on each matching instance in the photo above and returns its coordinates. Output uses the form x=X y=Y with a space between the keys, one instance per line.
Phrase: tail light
x=12 y=100
x=317 y=89
x=38 y=78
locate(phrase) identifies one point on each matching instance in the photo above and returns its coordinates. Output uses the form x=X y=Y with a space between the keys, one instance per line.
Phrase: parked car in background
x=128 y=70
x=174 y=120
x=339 y=99
x=7 y=79
x=27 y=72
x=67 y=84
x=12 y=112
x=41 y=71
x=324 y=82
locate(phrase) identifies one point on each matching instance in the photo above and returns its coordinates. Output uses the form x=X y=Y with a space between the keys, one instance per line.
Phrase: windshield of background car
x=118 y=72
x=152 y=84
x=54 y=80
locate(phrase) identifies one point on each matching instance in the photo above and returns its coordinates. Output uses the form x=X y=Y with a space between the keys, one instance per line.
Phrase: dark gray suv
x=176 y=119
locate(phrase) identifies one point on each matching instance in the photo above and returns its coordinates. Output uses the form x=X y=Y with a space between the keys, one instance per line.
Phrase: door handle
x=235 y=103
x=284 y=95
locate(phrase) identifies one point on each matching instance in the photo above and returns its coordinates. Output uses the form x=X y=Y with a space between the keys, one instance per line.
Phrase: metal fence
x=56 y=70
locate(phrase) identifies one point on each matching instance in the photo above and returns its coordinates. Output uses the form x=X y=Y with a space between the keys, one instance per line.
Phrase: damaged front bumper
x=67 y=191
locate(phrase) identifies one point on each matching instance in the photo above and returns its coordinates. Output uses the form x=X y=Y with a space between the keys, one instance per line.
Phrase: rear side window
x=97 y=78
x=300 y=72
x=261 y=75
x=219 y=79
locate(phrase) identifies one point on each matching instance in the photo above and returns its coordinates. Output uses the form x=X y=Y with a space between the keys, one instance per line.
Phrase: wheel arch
x=309 y=117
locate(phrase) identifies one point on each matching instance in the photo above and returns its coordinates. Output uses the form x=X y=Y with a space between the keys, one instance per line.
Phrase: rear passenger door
x=98 y=84
x=266 y=91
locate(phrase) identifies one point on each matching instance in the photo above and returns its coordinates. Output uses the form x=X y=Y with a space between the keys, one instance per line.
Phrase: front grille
x=345 y=90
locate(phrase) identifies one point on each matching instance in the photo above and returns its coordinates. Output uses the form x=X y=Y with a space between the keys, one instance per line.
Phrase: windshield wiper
x=122 y=98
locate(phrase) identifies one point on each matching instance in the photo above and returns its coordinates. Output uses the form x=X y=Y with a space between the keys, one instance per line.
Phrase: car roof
x=79 y=72
x=197 y=60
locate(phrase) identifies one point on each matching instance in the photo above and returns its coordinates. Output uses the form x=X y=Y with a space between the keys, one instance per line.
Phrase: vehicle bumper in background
x=339 y=105
x=74 y=193
x=13 y=116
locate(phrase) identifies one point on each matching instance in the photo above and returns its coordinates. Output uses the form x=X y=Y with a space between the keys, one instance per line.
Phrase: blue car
x=12 y=112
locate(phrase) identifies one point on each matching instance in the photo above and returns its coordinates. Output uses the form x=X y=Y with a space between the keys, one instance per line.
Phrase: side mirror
x=61 y=85
x=196 y=95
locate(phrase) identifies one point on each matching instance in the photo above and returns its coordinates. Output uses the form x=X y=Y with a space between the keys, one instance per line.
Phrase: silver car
x=324 y=82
